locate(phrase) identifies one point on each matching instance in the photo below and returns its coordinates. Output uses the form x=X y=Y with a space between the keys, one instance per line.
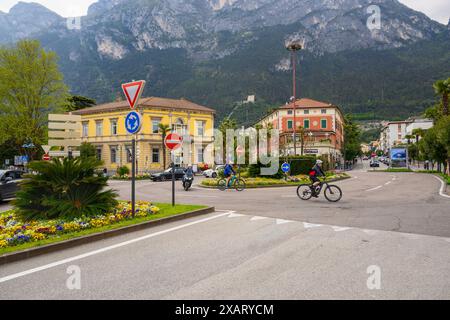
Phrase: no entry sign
x=173 y=141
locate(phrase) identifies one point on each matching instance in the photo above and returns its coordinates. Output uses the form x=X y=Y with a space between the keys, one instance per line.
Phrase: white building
x=395 y=132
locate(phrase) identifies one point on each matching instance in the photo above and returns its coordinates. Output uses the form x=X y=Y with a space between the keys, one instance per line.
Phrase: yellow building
x=104 y=127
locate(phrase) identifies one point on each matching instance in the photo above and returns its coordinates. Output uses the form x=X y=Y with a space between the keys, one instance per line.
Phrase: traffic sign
x=133 y=122
x=173 y=141
x=133 y=91
x=46 y=157
x=286 y=167
x=46 y=149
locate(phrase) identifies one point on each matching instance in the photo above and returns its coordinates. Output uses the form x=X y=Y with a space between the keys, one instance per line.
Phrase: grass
x=266 y=182
x=396 y=170
x=166 y=210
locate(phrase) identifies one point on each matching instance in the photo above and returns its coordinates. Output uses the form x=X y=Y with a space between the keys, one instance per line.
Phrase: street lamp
x=293 y=47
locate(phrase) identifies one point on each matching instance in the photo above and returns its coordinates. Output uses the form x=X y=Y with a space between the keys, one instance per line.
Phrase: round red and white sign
x=173 y=141
x=46 y=157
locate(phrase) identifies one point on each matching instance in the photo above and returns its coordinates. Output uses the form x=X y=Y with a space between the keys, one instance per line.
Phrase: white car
x=213 y=173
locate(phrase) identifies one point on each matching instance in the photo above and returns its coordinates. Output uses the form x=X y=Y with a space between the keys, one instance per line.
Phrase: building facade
x=104 y=127
x=394 y=133
x=320 y=123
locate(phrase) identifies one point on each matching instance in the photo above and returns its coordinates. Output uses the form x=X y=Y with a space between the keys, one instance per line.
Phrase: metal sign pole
x=173 y=179
x=133 y=177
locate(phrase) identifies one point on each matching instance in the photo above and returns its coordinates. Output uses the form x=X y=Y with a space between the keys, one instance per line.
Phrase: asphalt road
x=264 y=244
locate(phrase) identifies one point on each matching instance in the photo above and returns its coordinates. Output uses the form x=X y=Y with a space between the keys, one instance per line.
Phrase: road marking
x=339 y=229
x=282 y=221
x=376 y=188
x=235 y=215
x=257 y=218
x=441 y=191
x=370 y=232
x=109 y=248
x=311 y=225
x=388 y=183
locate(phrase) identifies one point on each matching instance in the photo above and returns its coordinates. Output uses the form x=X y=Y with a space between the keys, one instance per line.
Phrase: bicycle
x=235 y=182
x=331 y=192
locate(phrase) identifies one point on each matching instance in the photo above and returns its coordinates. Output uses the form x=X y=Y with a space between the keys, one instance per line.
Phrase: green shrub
x=301 y=164
x=124 y=170
x=66 y=188
x=254 y=171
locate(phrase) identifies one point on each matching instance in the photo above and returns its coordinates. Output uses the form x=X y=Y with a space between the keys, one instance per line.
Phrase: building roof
x=165 y=103
x=307 y=103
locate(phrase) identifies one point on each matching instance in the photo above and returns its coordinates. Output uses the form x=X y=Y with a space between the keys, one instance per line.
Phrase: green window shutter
x=324 y=124
x=306 y=124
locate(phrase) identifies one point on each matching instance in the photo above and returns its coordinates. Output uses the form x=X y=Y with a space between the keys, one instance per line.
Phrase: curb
x=275 y=185
x=37 y=251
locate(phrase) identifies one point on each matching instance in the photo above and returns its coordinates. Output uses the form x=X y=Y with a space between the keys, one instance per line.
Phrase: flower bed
x=14 y=232
x=127 y=177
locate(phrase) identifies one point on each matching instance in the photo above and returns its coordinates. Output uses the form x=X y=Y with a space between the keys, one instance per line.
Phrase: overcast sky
x=436 y=9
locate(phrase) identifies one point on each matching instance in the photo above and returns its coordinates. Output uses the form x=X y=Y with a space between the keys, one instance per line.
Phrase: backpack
x=312 y=173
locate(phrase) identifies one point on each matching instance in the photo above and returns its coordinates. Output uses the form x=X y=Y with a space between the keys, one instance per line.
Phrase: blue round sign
x=286 y=167
x=133 y=122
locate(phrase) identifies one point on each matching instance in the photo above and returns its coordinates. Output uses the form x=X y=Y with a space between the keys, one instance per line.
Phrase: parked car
x=374 y=164
x=366 y=158
x=9 y=183
x=167 y=175
x=213 y=173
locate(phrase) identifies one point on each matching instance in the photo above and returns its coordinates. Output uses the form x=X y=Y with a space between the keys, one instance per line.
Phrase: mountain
x=217 y=52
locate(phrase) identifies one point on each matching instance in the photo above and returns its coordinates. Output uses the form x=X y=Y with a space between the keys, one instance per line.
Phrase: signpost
x=285 y=167
x=133 y=124
x=173 y=142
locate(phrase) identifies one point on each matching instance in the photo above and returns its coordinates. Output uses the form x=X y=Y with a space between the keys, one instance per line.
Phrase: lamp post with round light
x=293 y=47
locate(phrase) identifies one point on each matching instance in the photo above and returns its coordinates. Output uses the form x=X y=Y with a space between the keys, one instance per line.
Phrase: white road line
x=441 y=191
x=109 y=248
x=257 y=218
x=376 y=188
x=307 y=225
x=388 y=183
x=282 y=221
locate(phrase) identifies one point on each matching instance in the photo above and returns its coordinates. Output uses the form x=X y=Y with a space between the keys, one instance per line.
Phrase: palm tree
x=164 y=129
x=442 y=88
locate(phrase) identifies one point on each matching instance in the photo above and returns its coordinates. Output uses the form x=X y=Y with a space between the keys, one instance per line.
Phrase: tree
x=87 y=150
x=75 y=103
x=352 y=139
x=164 y=129
x=31 y=87
x=443 y=135
x=442 y=88
x=64 y=188
x=431 y=148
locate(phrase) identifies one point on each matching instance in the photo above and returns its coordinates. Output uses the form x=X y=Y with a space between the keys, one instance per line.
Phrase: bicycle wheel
x=222 y=184
x=239 y=185
x=333 y=193
x=304 y=191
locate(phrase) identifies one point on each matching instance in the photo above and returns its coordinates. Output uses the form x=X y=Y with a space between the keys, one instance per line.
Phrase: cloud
x=438 y=10
x=66 y=8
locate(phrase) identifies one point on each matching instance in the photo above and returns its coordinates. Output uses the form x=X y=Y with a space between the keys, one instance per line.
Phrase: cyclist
x=314 y=175
x=228 y=171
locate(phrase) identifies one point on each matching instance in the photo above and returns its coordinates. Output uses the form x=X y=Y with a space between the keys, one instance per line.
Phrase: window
x=114 y=127
x=306 y=124
x=114 y=154
x=323 y=111
x=323 y=123
x=289 y=112
x=99 y=128
x=129 y=152
x=290 y=124
x=155 y=125
x=85 y=129
x=155 y=155
x=306 y=112
x=200 y=125
x=98 y=153
x=200 y=155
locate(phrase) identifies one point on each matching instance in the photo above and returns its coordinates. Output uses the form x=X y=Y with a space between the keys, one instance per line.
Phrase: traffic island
x=20 y=241
x=255 y=183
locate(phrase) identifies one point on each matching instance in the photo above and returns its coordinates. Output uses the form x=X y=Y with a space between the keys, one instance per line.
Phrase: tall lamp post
x=293 y=47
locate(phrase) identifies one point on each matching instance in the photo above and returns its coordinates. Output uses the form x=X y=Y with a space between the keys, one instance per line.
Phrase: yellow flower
x=3 y=243
x=38 y=236
x=154 y=209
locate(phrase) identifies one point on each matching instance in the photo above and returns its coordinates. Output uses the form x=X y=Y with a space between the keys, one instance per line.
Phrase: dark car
x=9 y=183
x=167 y=175
x=374 y=163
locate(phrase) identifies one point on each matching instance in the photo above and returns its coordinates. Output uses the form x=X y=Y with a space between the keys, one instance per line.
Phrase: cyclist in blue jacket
x=228 y=171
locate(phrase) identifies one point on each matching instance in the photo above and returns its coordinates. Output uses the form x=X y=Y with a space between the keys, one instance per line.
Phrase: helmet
x=319 y=162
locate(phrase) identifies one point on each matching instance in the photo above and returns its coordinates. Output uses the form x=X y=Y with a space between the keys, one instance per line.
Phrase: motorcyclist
x=314 y=175
x=188 y=173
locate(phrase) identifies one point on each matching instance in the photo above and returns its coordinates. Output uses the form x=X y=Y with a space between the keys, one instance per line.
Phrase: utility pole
x=293 y=47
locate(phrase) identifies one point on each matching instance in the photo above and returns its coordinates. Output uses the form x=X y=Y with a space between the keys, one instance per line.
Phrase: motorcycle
x=187 y=182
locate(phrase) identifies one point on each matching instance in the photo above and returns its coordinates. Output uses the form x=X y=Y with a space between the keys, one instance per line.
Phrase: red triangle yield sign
x=133 y=91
